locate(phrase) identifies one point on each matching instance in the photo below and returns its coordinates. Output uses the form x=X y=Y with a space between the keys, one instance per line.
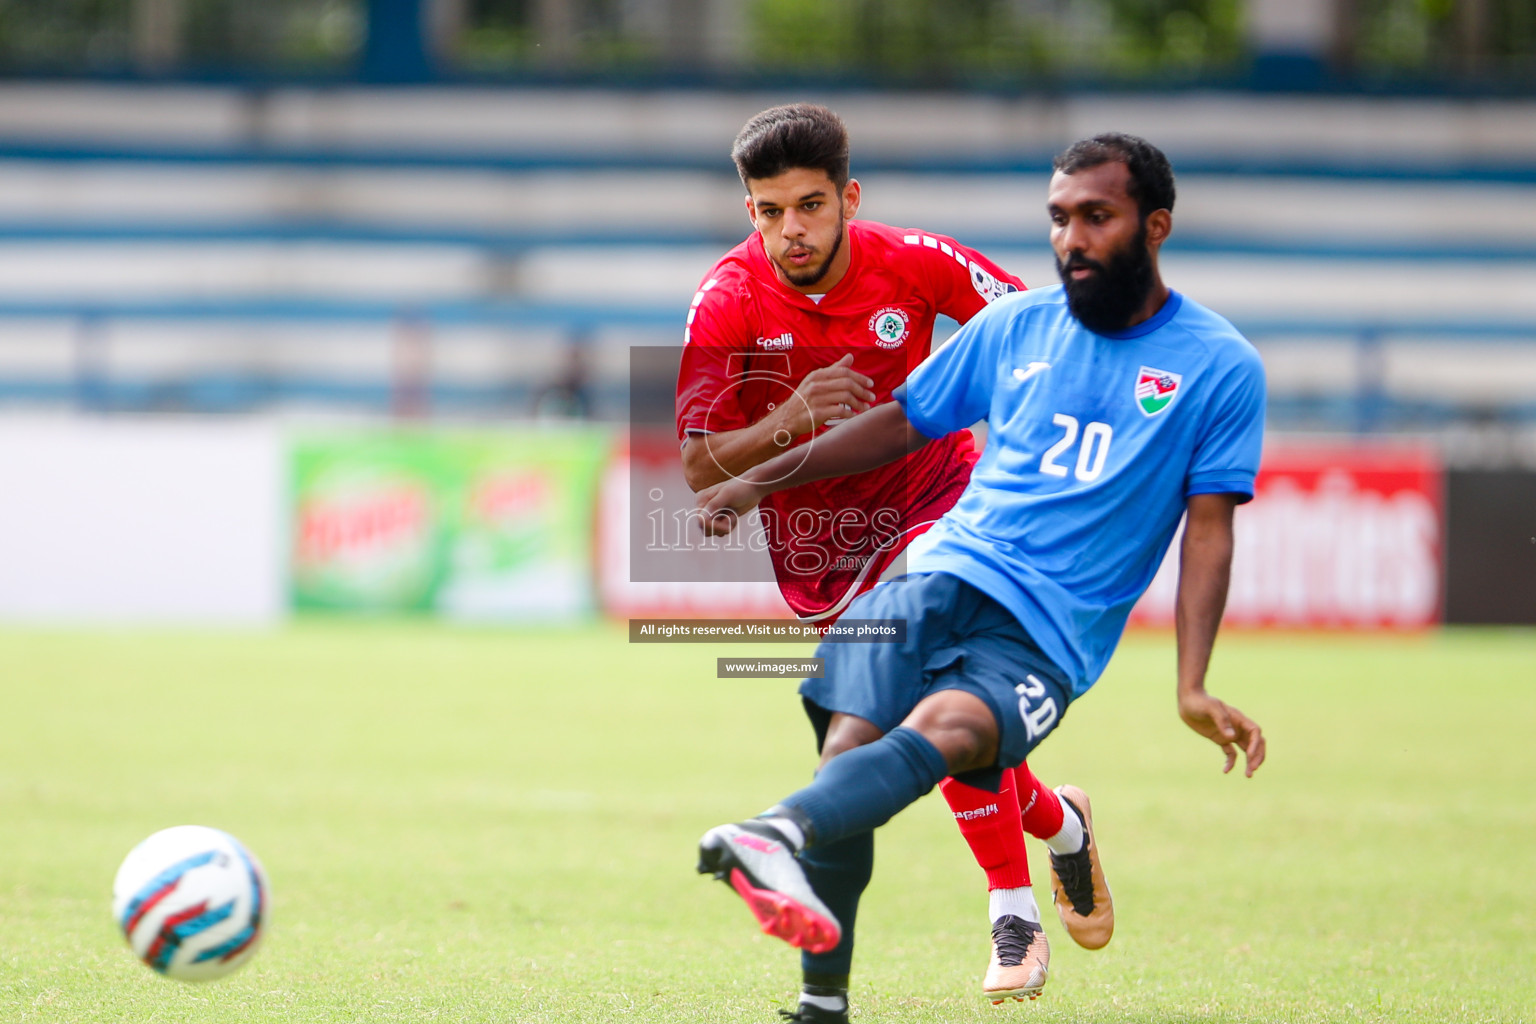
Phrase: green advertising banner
x=469 y=525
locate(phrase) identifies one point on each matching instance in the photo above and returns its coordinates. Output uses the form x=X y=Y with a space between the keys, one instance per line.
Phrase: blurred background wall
x=327 y=218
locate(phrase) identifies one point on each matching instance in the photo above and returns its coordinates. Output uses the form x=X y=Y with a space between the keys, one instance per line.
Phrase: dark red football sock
x=990 y=824
x=1039 y=808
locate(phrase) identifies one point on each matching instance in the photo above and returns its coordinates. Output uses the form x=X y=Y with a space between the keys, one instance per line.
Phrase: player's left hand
x=1225 y=726
x=724 y=503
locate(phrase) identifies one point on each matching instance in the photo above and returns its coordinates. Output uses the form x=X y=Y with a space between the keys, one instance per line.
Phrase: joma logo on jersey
x=1155 y=389
x=890 y=326
x=783 y=343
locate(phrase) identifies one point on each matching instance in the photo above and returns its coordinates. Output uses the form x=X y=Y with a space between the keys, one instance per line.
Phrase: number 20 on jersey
x=1091 y=453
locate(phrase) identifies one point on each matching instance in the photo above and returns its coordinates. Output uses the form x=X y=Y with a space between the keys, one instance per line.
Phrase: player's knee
x=964 y=746
x=846 y=732
x=961 y=726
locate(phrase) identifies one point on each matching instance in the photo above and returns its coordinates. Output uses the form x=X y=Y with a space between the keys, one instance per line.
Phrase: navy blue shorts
x=958 y=638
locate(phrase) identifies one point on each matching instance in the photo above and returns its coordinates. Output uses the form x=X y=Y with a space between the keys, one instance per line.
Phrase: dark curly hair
x=797 y=135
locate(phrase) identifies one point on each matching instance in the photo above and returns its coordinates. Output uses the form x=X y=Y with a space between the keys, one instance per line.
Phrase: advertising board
x=656 y=563
x=1342 y=536
x=472 y=526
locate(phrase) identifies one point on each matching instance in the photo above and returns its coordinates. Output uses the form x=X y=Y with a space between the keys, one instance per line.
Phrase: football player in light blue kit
x=1114 y=408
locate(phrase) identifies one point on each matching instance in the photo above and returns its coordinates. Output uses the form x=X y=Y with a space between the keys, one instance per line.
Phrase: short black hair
x=796 y=135
x=1151 y=182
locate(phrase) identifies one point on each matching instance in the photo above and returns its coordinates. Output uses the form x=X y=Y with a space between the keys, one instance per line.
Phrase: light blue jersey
x=1093 y=444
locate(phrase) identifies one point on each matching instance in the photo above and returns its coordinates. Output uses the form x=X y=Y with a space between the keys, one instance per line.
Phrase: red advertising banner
x=1338 y=536
x=1344 y=536
x=644 y=502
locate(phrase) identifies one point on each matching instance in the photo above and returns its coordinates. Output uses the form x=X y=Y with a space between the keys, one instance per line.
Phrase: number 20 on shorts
x=1036 y=707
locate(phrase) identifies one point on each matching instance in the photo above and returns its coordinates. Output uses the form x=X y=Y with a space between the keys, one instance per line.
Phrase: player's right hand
x=831 y=393
x=724 y=504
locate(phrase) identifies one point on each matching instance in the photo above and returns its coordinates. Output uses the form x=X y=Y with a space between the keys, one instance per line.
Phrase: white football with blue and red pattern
x=192 y=901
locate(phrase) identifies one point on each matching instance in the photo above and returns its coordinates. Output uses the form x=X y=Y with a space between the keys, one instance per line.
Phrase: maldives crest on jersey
x=890 y=326
x=1155 y=389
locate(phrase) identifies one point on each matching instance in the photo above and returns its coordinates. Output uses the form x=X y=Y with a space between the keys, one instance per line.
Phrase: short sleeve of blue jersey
x=1227 y=452
x=952 y=388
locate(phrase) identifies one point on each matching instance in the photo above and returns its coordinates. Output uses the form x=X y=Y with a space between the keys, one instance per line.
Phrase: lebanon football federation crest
x=1155 y=389
x=890 y=326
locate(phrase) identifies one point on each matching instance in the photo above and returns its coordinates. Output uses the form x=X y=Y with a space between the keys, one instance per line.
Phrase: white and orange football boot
x=1021 y=959
x=1078 y=888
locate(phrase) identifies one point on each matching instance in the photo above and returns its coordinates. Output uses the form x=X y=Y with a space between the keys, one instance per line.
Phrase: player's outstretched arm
x=830 y=393
x=870 y=439
x=1205 y=565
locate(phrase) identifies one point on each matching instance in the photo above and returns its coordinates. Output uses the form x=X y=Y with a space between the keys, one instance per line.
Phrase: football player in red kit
x=813 y=319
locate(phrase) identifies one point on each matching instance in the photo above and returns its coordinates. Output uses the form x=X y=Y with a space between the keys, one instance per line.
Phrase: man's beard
x=1105 y=301
x=809 y=277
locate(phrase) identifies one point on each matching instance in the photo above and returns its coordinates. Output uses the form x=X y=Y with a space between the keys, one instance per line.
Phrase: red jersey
x=751 y=339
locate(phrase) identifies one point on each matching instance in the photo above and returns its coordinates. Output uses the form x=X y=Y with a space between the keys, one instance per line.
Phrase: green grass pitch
x=499 y=826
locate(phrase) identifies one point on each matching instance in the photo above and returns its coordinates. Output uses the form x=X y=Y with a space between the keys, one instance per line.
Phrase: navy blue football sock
x=839 y=872
x=863 y=788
